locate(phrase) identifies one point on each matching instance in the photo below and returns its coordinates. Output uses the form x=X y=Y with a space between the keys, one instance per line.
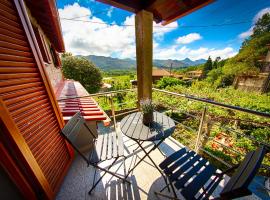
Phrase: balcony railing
x=202 y=133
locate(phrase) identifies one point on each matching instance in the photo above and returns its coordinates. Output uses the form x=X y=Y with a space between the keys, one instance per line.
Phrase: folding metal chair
x=106 y=146
x=196 y=178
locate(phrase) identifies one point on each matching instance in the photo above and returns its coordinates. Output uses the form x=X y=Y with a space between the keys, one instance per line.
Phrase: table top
x=133 y=127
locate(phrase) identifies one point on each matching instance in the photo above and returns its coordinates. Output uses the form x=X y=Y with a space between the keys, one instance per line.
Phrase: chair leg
x=167 y=186
x=106 y=171
x=165 y=195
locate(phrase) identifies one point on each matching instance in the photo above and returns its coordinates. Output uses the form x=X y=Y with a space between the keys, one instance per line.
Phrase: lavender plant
x=147 y=106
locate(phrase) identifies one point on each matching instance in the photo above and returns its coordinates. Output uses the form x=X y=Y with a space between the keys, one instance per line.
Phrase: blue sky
x=215 y=30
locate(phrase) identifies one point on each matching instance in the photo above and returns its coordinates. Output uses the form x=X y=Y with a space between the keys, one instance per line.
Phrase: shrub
x=169 y=81
x=82 y=70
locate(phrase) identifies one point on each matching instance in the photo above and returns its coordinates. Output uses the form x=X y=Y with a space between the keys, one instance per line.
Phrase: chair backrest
x=239 y=182
x=72 y=130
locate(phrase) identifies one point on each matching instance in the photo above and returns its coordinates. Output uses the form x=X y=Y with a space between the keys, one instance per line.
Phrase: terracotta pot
x=147 y=118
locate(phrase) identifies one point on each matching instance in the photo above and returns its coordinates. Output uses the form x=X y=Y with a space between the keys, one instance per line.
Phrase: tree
x=215 y=63
x=82 y=70
x=207 y=66
x=262 y=25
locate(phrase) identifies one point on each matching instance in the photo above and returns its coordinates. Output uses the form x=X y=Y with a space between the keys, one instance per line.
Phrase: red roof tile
x=87 y=106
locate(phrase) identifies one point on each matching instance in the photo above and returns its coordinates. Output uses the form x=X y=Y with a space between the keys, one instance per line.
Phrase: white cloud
x=246 y=33
x=97 y=38
x=260 y=14
x=186 y=39
x=109 y=13
x=249 y=32
x=175 y=52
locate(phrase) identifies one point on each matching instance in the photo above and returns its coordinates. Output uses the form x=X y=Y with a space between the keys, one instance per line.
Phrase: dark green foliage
x=116 y=64
x=191 y=68
x=207 y=66
x=255 y=47
x=262 y=25
x=221 y=73
x=169 y=81
x=215 y=63
x=119 y=72
x=82 y=70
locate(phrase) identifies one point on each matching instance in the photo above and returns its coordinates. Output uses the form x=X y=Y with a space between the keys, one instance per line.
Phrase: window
x=42 y=45
x=55 y=57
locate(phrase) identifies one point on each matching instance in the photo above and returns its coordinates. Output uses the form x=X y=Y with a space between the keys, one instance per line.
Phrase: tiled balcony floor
x=145 y=179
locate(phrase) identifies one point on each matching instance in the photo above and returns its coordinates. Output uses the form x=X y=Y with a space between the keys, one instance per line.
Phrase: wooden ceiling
x=164 y=11
x=46 y=14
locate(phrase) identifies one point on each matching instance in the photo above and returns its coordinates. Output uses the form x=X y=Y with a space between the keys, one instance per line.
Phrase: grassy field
x=231 y=125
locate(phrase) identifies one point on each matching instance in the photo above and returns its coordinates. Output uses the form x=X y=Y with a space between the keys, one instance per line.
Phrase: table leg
x=147 y=155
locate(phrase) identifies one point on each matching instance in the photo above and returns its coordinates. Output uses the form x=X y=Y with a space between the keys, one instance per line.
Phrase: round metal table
x=133 y=127
x=162 y=127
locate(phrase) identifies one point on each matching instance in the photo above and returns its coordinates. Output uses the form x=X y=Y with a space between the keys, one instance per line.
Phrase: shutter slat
x=10 y=28
x=28 y=104
x=16 y=64
x=13 y=40
x=5 y=5
x=19 y=118
x=24 y=97
x=35 y=142
x=12 y=34
x=18 y=87
x=24 y=93
x=13 y=46
x=17 y=81
x=17 y=69
x=16 y=58
x=21 y=75
x=15 y=52
x=23 y=124
x=3 y=18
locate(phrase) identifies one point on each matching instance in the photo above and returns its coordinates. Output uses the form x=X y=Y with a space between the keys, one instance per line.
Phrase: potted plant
x=147 y=108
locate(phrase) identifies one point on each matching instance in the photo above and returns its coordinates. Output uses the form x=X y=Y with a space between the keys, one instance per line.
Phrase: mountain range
x=109 y=63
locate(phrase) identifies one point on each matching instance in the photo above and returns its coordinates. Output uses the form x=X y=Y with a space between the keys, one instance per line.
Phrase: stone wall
x=259 y=83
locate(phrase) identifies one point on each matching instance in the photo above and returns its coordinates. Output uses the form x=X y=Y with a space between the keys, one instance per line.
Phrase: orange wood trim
x=177 y=16
x=15 y=174
x=23 y=151
x=38 y=57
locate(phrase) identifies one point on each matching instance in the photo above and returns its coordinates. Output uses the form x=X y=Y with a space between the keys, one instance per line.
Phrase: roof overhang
x=46 y=14
x=164 y=11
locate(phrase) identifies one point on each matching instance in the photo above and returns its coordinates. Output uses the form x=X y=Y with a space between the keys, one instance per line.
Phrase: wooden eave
x=164 y=11
x=46 y=14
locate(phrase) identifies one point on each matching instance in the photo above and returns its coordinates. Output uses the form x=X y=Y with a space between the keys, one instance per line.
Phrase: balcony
x=145 y=179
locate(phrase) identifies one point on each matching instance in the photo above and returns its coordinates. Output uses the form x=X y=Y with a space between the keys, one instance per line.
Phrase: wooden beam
x=131 y=6
x=180 y=13
x=144 y=53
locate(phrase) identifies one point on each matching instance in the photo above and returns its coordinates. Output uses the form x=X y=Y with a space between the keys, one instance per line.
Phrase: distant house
x=196 y=74
x=158 y=74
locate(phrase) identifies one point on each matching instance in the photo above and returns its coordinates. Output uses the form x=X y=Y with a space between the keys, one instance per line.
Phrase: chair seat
x=107 y=146
x=197 y=178
x=188 y=171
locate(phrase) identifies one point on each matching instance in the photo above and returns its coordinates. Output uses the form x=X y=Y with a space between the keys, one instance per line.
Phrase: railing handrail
x=98 y=94
x=231 y=107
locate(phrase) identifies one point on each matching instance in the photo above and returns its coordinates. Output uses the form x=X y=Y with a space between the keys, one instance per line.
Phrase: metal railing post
x=113 y=111
x=200 y=130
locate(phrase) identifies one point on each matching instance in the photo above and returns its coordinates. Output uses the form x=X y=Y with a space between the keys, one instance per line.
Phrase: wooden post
x=144 y=53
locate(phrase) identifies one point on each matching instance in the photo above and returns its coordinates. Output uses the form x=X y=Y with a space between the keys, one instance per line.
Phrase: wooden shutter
x=26 y=93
